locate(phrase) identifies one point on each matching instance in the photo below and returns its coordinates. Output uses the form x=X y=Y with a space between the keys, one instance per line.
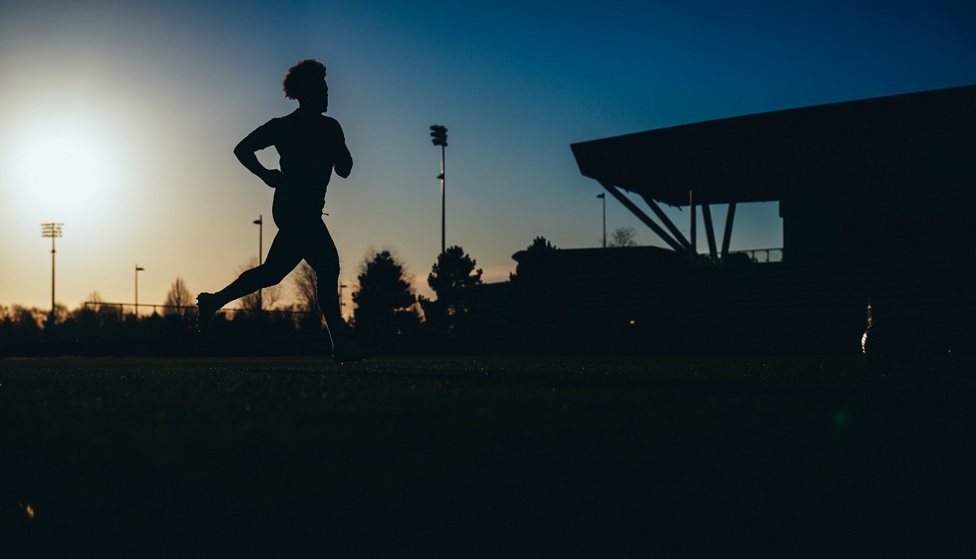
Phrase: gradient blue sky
x=146 y=100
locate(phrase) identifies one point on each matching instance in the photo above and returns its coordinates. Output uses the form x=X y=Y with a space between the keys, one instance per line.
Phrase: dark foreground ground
x=492 y=457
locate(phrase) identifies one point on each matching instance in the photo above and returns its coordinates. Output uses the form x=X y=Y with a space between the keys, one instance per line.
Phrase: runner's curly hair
x=300 y=77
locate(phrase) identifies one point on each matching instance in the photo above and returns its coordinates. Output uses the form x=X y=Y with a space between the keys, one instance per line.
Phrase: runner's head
x=305 y=82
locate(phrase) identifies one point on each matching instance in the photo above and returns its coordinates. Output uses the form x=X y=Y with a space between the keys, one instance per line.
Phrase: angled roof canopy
x=761 y=157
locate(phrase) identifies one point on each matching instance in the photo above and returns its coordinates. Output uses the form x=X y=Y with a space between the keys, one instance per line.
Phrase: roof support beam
x=642 y=216
x=727 y=238
x=667 y=222
x=709 y=230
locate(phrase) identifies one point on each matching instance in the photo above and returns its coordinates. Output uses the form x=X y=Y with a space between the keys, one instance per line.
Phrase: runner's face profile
x=318 y=98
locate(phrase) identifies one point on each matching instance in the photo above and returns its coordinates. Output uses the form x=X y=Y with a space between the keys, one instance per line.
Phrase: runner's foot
x=207 y=308
x=347 y=352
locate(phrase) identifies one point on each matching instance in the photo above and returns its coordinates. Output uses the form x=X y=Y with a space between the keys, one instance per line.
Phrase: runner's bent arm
x=343 y=159
x=245 y=152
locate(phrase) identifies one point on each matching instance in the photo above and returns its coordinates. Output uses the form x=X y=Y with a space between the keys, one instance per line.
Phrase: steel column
x=678 y=236
x=709 y=230
x=727 y=238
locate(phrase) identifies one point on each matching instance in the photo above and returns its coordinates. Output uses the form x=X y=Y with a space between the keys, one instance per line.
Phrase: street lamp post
x=138 y=269
x=438 y=135
x=51 y=231
x=260 y=223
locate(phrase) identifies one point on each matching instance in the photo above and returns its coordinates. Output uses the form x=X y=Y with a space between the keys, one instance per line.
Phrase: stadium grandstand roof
x=761 y=157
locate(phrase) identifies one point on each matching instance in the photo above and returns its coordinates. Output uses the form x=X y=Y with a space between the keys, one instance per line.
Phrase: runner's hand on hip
x=274 y=178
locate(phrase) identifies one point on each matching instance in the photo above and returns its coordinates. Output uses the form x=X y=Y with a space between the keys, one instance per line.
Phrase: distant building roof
x=601 y=261
x=870 y=143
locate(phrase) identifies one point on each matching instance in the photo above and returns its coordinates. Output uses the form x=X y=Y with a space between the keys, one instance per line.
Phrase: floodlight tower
x=438 y=135
x=51 y=231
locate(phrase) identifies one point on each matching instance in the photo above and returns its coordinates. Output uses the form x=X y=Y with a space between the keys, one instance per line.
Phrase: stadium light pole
x=51 y=231
x=603 y=196
x=138 y=269
x=438 y=135
x=260 y=223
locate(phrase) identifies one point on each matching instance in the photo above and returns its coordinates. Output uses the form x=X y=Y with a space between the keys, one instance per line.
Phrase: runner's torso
x=308 y=146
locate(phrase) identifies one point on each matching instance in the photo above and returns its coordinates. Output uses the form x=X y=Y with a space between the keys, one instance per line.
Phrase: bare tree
x=96 y=304
x=266 y=298
x=94 y=301
x=305 y=285
x=622 y=237
x=179 y=296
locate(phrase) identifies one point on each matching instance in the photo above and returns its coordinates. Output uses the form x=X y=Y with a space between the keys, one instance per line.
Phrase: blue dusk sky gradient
x=144 y=101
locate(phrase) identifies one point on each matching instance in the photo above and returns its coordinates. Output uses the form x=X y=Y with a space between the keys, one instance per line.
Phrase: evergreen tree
x=459 y=291
x=533 y=261
x=539 y=293
x=385 y=302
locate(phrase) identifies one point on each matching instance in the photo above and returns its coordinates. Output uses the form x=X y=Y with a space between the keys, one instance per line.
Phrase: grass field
x=482 y=457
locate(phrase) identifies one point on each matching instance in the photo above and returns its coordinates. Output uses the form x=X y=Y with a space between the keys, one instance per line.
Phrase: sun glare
x=61 y=168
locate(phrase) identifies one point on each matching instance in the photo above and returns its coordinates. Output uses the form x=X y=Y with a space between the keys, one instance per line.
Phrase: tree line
x=388 y=317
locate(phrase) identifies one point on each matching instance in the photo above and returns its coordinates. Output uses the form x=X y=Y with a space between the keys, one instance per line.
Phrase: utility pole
x=439 y=138
x=51 y=231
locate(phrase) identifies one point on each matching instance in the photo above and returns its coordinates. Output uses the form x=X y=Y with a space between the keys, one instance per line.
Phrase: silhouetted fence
x=752 y=256
x=762 y=255
x=107 y=328
x=186 y=311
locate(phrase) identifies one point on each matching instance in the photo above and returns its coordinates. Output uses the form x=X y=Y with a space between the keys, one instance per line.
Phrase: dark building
x=875 y=195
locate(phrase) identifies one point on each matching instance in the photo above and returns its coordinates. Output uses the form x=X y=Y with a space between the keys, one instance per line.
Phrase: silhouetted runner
x=310 y=146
